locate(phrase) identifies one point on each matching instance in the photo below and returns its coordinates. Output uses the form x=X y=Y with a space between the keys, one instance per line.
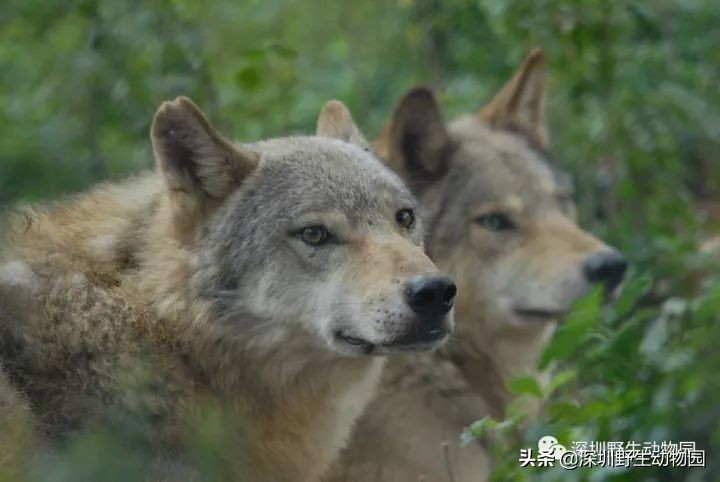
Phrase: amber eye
x=406 y=217
x=495 y=222
x=314 y=235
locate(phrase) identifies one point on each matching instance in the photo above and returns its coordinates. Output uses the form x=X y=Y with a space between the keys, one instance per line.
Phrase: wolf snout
x=606 y=267
x=430 y=295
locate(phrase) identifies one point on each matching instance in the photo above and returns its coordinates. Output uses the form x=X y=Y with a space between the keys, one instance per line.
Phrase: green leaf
x=524 y=385
x=480 y=427
x=564 y=410
x=655 y=337
x=560 y=379
x=574 y=329
x=632 y=290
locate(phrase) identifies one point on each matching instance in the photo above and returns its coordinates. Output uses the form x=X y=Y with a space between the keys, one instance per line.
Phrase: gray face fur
x=347 y=293
x=502 y=213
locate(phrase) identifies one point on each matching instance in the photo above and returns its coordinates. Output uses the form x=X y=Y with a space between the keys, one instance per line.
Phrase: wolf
x=502 y=222
x=267 y=280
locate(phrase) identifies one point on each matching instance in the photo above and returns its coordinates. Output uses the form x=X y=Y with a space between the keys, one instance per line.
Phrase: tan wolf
x=254 y=278
x=501 y=221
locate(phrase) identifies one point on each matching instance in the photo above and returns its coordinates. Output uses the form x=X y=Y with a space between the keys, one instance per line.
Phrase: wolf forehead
x=315 y=173
x=500 y=163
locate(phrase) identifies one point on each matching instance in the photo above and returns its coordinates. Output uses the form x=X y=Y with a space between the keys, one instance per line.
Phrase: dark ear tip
x=163 y=117
x=418 y=100
x=536 y=51
x=172 y=112
x=177 y=105
x=420 y=93
x=535 y=57
x=186 y=103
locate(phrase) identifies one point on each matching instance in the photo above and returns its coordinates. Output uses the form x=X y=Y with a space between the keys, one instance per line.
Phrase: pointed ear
x=520 y=104
x=193 y=157
x=415 y=141
x=335 y=121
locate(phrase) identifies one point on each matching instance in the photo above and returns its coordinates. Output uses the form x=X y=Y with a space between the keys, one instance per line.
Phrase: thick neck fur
x=488 y=365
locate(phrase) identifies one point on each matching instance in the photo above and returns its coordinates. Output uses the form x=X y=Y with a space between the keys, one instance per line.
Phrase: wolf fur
x=501 y=221
x=146 y=302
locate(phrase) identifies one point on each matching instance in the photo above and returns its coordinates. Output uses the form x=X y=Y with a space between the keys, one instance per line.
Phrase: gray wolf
x=501 y=221
x=259 y=279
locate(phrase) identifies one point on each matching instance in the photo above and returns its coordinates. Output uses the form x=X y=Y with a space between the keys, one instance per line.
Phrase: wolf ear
x=520 y=104
x=415 y=142
x=193 y=157
x=335 y=121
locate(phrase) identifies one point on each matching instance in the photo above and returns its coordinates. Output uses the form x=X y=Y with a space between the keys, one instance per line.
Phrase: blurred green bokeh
x=633 y=112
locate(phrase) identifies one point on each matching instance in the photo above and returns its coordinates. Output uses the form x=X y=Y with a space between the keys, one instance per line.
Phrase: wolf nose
x=430 y=295
x=607 y=267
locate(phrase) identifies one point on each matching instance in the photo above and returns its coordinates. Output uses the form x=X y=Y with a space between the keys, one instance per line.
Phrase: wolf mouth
x=415 y=340
x=540 y=314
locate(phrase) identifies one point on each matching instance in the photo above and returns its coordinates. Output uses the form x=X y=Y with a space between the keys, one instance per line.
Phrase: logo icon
x=549 y=445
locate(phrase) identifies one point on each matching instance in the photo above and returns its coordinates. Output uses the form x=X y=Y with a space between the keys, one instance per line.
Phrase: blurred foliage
x=634 y=117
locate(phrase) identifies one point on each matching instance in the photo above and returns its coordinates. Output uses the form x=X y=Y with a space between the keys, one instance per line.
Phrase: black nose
x=430 y=295
x=607 y=267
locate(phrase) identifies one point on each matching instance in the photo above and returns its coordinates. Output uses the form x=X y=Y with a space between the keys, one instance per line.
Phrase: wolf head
x=500 y=217
x=310 y=235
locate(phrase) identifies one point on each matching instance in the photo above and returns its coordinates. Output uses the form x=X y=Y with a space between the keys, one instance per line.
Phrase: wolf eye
x=314 y=235
x=495 y=222
x=406 y=217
